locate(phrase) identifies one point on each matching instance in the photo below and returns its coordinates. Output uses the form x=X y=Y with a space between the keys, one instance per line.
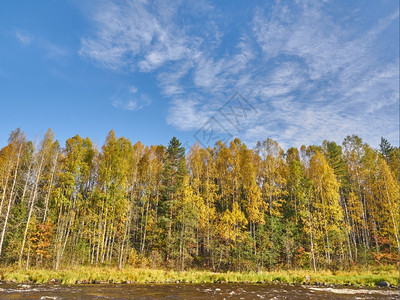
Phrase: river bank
x=92 y=275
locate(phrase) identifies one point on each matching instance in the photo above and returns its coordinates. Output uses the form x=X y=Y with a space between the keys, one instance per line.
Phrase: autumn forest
x=229 y=207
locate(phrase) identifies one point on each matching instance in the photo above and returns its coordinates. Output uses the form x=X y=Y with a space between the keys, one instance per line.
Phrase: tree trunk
x=311 y=237
x=50 y=186
x=11 y=200
x=35 y=190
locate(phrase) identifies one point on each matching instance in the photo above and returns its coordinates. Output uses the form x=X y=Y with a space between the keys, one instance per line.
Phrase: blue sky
x=298 y=72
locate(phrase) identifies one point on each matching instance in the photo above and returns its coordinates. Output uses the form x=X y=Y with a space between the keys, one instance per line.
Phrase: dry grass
x=134 y=275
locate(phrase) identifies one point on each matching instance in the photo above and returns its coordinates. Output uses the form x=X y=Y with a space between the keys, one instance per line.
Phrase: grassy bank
x=130 y=275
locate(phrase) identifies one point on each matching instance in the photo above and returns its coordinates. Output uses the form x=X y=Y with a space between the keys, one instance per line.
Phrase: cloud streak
x=24 y=37
x=309 y=76
x=50 y=49
x=130 y=99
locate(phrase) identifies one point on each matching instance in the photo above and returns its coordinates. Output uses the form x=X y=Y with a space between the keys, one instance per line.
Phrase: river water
x=188 y=291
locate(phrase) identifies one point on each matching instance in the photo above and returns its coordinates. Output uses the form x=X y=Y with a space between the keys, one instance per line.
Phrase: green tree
x=173 y=175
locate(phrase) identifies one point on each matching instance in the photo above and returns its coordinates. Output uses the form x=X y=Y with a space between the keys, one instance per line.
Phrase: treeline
x=222 y=208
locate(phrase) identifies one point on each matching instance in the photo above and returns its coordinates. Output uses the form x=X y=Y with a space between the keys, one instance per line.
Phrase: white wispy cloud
x=170 y=81
x=133 y=89
x=187 y=114
x=52 y=50
x=49 y=49
x=130 y=99
x=135 y=34
x=340 y=83
x=309 y=77
x=24 y=37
